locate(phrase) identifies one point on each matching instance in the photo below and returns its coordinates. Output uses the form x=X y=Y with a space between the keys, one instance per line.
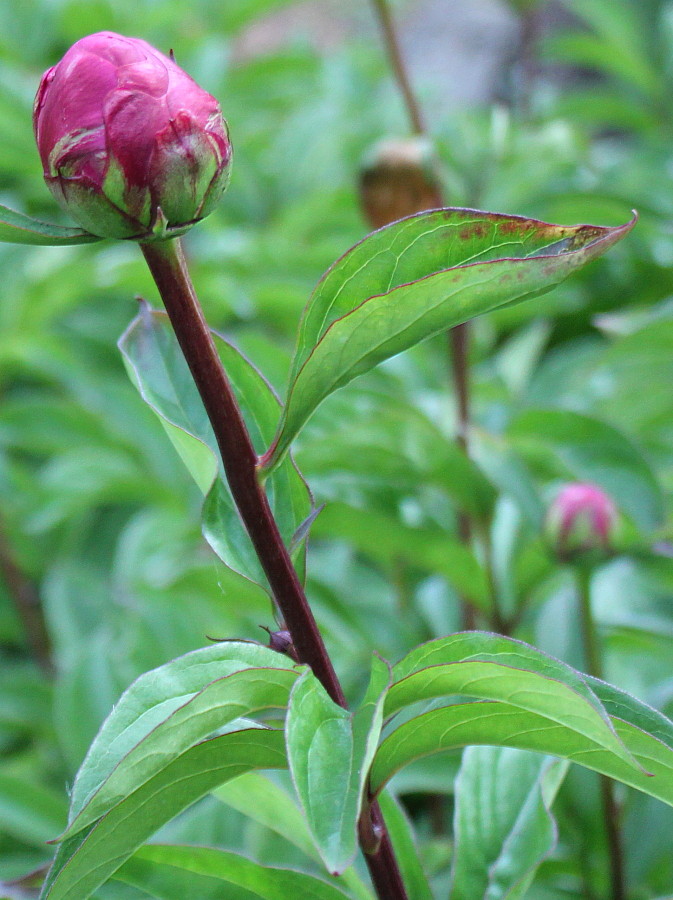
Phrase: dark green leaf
x=418 y=277
x=391 y=542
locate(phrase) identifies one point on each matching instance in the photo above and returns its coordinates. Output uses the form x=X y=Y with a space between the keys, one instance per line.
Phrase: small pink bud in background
x=130 y=144
x=582 y=518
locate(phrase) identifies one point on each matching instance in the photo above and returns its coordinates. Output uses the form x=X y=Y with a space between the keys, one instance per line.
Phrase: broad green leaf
x=174 y=873
x=591 y=450
x=169 y=709
x=264 y=801
x=502 y=725
x=503 y=825
x=493 y=667
x=88 y=858
x=158 y=369
x=415 y=278
x=329 y=751
x=403 y=841
x=17 y=228
x=389 y=541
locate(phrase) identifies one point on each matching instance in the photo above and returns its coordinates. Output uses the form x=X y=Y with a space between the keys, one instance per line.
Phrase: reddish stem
x=167 y=265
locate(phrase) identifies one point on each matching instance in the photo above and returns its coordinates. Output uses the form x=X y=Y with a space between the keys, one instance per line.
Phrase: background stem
x=26 y=601
x=611 y=812
x=167 y=265
x=459 y=335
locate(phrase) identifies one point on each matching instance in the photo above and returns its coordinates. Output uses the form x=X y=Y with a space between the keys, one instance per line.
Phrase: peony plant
x=135 y=150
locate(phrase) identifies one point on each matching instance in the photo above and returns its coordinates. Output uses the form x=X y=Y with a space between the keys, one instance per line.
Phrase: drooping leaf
x=158 y=369
x=88 y=858
x=493 y=667
x=168 y=710
x=503 y=825
x=173 y=873
x=18 y=228
x=329 y=751
x=415 y=278
x=501 y=725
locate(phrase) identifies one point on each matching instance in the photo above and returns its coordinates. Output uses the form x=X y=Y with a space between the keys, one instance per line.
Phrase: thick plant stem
x=459 y=335
x=594 y=663
x=167 y=265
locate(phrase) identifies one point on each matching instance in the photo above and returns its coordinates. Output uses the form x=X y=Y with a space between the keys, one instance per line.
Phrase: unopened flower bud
x=130 y=145
x=398 y=180
x=582 y=519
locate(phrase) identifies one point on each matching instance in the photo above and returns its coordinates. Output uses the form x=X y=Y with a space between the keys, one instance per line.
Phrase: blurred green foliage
x=102 y=521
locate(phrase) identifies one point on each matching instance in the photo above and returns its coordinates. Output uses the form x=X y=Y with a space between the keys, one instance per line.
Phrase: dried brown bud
x=399 y=179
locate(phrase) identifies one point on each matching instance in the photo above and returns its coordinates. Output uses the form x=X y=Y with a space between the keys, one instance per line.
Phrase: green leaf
x=403 y=841
x=330 y=751
x=168 y=710
x=502 y=725
x=418 y=277
x=503 y=825
x=17 y=228
x=493 y=667
x=173 y=873
x=88 y=858
x=264 y=801
x=591 y=450
x=158 y=369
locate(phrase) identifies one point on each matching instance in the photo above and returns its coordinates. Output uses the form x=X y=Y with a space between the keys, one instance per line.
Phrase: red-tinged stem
x=167 y=265
x=592 y=653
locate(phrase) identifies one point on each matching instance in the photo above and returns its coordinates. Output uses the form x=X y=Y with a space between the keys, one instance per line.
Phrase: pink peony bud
x=130 y=144
x=581 y=519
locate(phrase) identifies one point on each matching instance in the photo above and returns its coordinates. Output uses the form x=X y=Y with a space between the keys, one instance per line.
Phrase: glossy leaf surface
x=415 y=278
